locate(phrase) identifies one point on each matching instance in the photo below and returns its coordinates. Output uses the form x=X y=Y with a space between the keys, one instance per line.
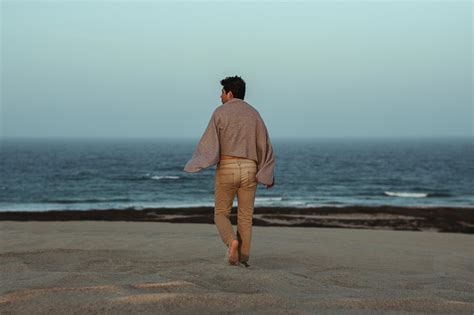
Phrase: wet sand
x=155 y=267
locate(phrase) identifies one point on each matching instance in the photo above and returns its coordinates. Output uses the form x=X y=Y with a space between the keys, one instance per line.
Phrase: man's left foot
x=245 y=264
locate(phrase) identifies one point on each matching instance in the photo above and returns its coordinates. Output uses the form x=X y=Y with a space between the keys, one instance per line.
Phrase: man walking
x=237 y=140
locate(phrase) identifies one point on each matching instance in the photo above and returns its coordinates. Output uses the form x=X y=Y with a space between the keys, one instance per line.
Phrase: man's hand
x=270 y=186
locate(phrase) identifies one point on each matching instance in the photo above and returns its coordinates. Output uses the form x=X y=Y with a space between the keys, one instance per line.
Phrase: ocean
x=83 y=174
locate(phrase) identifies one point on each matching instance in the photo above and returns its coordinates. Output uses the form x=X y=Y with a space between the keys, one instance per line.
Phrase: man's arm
x=207 y=151
x=266 y=161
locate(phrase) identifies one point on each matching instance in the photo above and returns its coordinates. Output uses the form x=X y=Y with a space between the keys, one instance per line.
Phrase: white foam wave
x=156 y=177
x=264 y=199
x=405 y=194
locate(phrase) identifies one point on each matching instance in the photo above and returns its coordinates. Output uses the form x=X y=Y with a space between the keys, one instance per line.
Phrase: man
x=237 y=140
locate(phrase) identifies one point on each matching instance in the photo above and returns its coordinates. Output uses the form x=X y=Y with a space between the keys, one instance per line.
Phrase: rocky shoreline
x=440 y=219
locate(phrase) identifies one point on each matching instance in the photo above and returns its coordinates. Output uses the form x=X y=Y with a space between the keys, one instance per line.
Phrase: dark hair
x=236 y=85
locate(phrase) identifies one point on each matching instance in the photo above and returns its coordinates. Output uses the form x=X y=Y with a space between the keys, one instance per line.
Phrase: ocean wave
x=405 y=194
x=144 y=177
x=92 y=200
x=439 y=195
x=263 y=199
x=141 y=205
x=156 y=177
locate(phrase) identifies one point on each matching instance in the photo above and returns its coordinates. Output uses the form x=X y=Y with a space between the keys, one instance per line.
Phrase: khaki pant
x=235 y=176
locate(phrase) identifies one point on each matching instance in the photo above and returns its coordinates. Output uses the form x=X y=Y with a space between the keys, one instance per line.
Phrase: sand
x=149 y=268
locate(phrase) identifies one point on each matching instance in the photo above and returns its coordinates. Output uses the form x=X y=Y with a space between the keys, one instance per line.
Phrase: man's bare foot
x=233 y=254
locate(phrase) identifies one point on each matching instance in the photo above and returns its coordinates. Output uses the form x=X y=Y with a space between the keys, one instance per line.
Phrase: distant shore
x=440 y=219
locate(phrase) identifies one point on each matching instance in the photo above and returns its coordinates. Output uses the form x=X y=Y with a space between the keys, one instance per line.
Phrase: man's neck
x=233 y=100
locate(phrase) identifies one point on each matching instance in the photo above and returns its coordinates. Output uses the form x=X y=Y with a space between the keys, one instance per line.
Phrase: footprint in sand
x=167 y=287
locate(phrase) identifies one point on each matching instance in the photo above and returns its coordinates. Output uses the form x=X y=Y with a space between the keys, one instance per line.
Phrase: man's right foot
x=233 y=252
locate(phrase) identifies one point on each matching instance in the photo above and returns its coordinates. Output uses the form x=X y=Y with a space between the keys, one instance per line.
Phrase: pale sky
x=313 y=69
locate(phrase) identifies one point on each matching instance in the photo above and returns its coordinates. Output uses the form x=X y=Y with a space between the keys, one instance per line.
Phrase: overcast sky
x=313 y=69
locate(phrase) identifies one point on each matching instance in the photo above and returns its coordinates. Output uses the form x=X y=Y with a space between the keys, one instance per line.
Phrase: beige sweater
x=237 y=129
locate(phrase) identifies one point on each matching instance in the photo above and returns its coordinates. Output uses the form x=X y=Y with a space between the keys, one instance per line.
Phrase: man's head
x=232 y=87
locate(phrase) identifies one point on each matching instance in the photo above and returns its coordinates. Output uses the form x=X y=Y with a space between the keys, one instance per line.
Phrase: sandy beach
x=157 y=267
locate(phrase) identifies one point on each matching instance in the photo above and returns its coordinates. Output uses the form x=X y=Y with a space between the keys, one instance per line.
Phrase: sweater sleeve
x=266 y=162
x=207 y=151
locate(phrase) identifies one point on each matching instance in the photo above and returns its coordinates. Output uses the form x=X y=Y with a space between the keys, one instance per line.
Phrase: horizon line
x=471 y=137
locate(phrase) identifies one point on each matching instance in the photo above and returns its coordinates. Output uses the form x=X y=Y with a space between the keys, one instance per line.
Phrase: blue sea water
x=81 y=174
